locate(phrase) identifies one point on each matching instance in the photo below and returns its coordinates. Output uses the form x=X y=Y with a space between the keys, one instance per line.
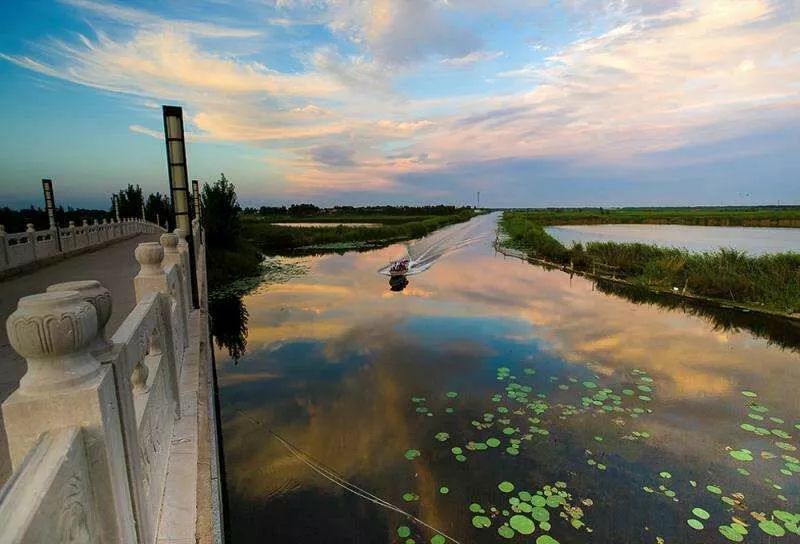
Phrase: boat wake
x=422 y=254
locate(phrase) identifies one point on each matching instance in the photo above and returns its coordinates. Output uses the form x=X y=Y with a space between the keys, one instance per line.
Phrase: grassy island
x=383 y=225
x=769 y=282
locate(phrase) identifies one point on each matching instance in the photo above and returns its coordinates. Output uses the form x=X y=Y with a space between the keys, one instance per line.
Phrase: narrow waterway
x=499 y=401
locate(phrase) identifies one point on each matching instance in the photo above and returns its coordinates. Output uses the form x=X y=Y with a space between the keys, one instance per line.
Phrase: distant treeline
x=130 y=201
x=728 y=216
x=336 y=213
x=16 y=220
x=767 y=281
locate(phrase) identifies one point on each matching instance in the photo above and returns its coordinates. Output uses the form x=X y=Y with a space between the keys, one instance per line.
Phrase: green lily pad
x=505 y=531
x=403 y=531
x=481 y=522
x=547 y=539
x=714 y=489
x=438 y=539
x=412 y=454
x=749 y=394
x=506 y=487
x=771 y=528
x=700 y=513
x=522 y=524
x=730 y=533
x=695 y=524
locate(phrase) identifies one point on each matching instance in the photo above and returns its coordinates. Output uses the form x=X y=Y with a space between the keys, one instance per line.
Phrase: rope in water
x=334 y=477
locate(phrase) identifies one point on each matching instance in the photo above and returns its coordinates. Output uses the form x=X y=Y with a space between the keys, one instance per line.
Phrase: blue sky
x=531 y=102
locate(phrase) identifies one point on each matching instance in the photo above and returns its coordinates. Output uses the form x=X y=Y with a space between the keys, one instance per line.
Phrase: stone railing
x=23 y=248
x=92 y=424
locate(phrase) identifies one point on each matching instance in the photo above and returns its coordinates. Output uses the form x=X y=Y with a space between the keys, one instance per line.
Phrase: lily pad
x=412 y=454
x=506 y=487
x=522 y=524
x=771 y=528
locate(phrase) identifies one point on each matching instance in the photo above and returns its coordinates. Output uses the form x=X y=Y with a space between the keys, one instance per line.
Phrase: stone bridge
x=108 y=418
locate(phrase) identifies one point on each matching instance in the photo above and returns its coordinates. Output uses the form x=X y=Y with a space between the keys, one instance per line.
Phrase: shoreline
x=695 y=299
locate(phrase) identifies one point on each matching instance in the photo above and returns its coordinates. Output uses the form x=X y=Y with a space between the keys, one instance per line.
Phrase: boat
x=400 y=267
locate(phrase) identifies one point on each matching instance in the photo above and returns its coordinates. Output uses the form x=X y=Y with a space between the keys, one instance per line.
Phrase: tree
x=130 y=201
x=159 y=207
x=221 y=212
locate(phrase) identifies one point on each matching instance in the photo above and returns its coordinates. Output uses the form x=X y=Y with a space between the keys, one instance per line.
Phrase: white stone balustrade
x=66 y=386
x=91 y=425
x=24 y=248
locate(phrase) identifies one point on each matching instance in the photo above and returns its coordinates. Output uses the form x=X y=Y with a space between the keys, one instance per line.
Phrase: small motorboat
x=399 y=267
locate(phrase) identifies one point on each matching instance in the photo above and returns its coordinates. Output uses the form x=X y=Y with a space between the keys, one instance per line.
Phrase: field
x=269 y=238
x=770 y=282
x=759 y=216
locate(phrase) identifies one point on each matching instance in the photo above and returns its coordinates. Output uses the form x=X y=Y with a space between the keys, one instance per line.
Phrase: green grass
x=276 y=239
x=757 y=216
x=770 y=281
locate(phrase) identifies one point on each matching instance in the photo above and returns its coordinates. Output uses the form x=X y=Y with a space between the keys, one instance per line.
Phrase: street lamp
x=50 y=205
x=179 y=183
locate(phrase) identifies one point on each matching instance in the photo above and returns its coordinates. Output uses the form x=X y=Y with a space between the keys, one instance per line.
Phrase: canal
x=498 y=401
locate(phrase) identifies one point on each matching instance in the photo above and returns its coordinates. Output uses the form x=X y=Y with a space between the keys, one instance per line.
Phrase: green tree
x=159 y=207
x=229 y=255
x=221 y=213
x=130 y=201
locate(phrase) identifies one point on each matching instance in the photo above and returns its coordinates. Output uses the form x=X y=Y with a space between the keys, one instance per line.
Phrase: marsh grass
x=768 y=281
x=272 y=238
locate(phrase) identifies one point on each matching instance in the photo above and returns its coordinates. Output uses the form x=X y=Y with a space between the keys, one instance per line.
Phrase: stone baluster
x=66 y=386
x=153 y=279
x=3 y=248
x=31 y=239
x=172 y=255
x=72 y=235
x=98 y=296
x=96 y=230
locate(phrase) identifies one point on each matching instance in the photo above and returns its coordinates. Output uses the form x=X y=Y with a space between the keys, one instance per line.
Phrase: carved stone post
x=172 y=255
x=31 y=239
x=3 y=248
x=72 y=235
x=93 y=292
x=152 y=278
x=66 y=386
x=96 y=229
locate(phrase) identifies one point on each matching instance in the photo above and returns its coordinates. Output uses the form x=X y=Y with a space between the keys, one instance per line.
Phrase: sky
x=530 y=102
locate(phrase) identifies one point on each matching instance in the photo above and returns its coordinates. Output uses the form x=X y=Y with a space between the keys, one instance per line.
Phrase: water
x=348 y=371
x=756 y=241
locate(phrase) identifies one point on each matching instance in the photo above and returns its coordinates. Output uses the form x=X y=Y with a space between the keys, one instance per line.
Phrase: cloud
x=472 y=58
x=333 y=155
x=167 y=64
x=397 y=32
x=657 y=77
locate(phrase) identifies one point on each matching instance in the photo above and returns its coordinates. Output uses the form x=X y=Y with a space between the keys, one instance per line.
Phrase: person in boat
x=399 y=267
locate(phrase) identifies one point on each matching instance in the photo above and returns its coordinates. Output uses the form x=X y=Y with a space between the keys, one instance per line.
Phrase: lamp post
x=50 y=205
x=179 y=184
x=198 y=212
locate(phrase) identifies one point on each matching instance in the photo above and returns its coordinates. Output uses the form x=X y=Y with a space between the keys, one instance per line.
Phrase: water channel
x=498 y=401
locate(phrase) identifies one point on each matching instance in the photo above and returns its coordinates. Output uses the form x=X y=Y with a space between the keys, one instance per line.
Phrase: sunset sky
x=531 y=102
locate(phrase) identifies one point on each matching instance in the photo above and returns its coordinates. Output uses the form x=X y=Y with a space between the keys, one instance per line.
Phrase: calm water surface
x=611 y=421
x=756 y=241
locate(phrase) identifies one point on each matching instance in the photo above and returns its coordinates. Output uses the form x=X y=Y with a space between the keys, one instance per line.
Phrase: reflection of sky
x=334 y=358
x=758 y=241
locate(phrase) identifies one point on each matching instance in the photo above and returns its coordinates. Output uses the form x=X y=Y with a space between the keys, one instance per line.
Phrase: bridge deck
x=114 y=266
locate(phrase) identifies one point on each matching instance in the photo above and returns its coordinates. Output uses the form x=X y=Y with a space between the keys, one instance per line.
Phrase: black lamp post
x=50 y=205
x=179 y=184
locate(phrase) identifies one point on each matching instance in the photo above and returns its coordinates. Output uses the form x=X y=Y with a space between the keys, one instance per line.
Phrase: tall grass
x=768 y=281
x=274 y=238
